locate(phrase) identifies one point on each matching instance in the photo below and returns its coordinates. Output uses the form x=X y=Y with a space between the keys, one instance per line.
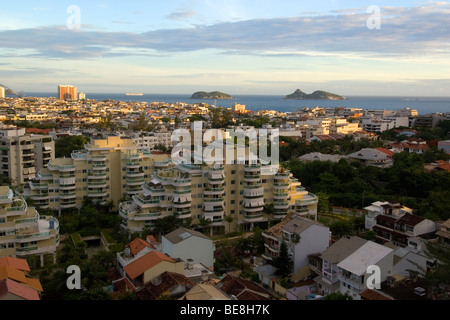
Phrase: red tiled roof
x=139 y=266
x=20 y=290
x=243 y=289
x=389 y=153
x=13 y=274
x=137 y=245
x=163 y=283
x=410 y=219
x=369 y=294
x=16 y=263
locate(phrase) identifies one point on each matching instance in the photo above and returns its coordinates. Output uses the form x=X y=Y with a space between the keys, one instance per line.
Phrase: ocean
x=424 y=105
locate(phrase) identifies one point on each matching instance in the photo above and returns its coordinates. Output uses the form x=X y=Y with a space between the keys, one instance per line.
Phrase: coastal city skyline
x=241 y=48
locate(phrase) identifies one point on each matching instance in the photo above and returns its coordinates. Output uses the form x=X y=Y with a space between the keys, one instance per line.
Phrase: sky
x=246 y=47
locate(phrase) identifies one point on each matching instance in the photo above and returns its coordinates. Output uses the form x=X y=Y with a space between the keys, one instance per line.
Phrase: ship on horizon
x=134 y=94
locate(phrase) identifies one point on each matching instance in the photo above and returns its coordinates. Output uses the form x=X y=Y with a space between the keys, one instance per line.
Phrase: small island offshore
x=211 y=95
x=316 y=95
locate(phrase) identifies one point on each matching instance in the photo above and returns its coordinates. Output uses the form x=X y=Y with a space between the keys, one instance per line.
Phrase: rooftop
x=368 y=254
x=151 y=259
x=181 y=234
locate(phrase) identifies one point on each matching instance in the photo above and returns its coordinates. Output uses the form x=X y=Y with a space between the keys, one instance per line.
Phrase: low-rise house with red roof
x=169 y=285
x=148 y=266
x=12 y=290
x=242 y=289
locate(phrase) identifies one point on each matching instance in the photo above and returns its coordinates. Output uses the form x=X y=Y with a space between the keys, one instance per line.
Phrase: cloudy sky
x=377 y=47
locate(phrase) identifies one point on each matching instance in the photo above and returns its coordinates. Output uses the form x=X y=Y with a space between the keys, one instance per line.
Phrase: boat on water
x=134 y=94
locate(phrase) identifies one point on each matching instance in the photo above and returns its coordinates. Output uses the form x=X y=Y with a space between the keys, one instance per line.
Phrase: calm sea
x=268 y=102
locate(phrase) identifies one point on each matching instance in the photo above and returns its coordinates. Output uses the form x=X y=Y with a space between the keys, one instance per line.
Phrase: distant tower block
x=2 y=92
x=239 y=108
x=67 y=92
x=81 y=96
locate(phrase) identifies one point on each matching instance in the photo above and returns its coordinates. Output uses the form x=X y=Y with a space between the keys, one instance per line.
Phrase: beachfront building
x=23 y=231
x=108 y=169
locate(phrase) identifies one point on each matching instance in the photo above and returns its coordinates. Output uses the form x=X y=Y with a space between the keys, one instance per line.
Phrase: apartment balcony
x=280 y=205
x=61 y=168
x=282 y=176
x=280 y=214
x=184 y=204
x=274 y=247
x=252 y=177
x=253 y=209
x=133 y=165
x=213 y=191
x=17 y=211
x=252 y=168
x=136 y=182
x=69 y=195
x=135 y=174
x=308 y=199
x=33 y=237
x=145 y=216
x=134 y=156
x=97 y=176
x=45 y=176
x=191 y=168
x=149 y=191
x=280 y=195
x=182 y=182
x=253 y=191
x=182 y=191
x=99 y=167
x=146 y=203
x=183 y=214
x=67 y=187
x=255 y=217
x=100 y=158
x=162 y=164
x=34 y=250
x=68 y=205
x=281 y=185
x=67 y=181
x=97 y=184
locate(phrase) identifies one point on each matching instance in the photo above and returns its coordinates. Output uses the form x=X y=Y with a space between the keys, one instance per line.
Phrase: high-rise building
x=23 y=155
x=2 y=92
x=66 y=92
x=106 y=170
x=81 y=96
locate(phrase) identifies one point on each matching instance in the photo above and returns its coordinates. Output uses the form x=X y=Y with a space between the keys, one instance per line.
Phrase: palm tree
x=229 y=219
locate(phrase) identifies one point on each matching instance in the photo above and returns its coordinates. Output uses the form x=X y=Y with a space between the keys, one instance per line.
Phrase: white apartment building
x=23 y=155
x=150 y=140
x=23 y=231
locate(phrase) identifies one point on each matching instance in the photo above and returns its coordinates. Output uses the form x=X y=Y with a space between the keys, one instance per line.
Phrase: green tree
x=64 y=146
x=283 y=263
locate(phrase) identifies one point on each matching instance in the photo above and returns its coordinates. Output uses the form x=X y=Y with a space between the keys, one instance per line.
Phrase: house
x=353 y=271
x=189 y=244
x=399 y=229
x=372 y=157
x=242 y=289
x=444 y=233
x=412 y=260
x=170 y=284
x=384 y=208
x=16 y=283
x=327 y=274
x=150 y=265
x=12 y=290
x=317 y=156
x=205 y=291
x=302 y=236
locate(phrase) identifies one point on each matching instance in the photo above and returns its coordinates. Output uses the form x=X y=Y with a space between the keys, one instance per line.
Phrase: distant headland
x=211 y=95
x=8 y=91
x=316 y=95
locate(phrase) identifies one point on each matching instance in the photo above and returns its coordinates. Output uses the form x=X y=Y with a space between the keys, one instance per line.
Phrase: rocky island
x=211 y=95
x=316 y=95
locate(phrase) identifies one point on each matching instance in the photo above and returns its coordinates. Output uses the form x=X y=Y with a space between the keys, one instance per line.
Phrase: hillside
x=211 y=95
x=316 y=95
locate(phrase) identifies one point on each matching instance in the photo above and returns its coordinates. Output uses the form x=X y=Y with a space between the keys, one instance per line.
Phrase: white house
x=302 y=236
x=189 y=245
x=354 y=272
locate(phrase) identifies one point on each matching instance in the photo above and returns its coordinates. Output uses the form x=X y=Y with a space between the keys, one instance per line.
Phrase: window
x=233 y=191
x=232 y=202
x=233 y=171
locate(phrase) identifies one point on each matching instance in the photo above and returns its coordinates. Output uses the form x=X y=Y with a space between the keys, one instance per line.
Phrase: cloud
x=405 y=32
x=181 y=14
